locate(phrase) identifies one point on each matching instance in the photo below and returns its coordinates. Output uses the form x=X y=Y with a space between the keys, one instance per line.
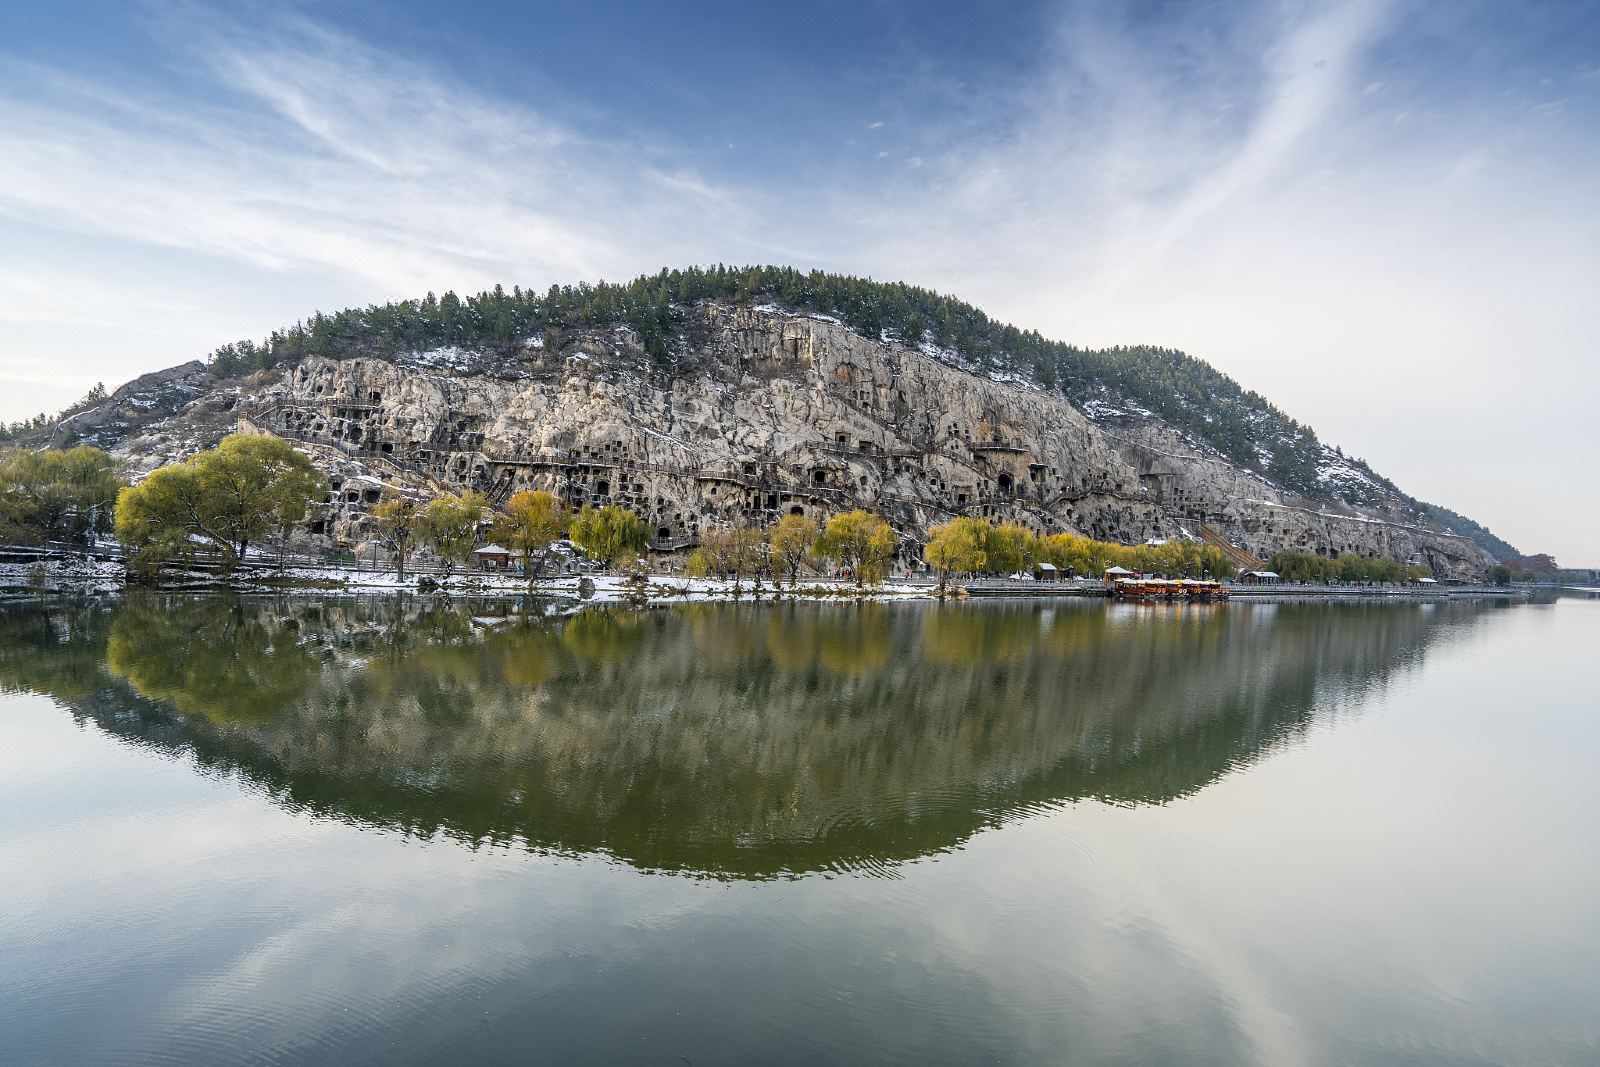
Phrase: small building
x=1114 y=574
x=1046 y=572
x=1258 y=577
x=491 y=558
x=1427 y=581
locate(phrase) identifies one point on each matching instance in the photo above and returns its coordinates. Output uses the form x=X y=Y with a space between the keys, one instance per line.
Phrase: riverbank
x=81 y=575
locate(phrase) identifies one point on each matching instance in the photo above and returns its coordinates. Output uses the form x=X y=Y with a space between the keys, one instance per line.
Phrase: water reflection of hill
x=738 y=740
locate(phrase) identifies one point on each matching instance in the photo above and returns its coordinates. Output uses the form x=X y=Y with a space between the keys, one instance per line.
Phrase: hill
x=900 y=397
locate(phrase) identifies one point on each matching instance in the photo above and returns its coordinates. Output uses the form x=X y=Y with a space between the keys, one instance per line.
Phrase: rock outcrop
x=768 y=412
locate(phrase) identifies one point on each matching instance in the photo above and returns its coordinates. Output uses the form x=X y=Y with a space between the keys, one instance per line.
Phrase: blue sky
x=1379 y=213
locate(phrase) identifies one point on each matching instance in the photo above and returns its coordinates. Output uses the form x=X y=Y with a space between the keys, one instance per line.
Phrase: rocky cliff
x=764 y=411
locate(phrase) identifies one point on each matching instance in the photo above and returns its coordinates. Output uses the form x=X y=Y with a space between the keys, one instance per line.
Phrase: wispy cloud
x=333 y=155
x=1135 y=142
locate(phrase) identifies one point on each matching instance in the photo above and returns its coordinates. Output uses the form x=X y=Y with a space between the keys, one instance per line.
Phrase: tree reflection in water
x=728 y=740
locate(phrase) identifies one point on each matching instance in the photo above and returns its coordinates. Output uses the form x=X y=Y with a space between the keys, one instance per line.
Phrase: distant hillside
x=1186 y=393
x=1456 y=523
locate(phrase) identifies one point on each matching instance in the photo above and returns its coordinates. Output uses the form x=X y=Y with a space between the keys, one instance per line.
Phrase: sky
x=1383 y=215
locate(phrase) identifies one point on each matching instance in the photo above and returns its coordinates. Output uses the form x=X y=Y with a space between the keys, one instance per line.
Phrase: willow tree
x=533 y=520
x=860 y=541
x=1009 y=547
x=399 y=521
x=791 y=541
x=957 y=545
x=738 y=553
x=65 y=494
x=226 y=498
x=609 y=533
x=450 y=527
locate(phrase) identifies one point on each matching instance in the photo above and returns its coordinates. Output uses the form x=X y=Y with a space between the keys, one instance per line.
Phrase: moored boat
x=1141 y=588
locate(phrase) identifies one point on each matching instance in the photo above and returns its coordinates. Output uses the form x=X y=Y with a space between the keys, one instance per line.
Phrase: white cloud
x=347 y=160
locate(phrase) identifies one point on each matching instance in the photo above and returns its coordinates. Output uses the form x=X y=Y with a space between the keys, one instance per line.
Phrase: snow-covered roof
x=490 y=550
x=1262 y=574
x=1047 y=566
x=1119 y=570
x=1428 y=581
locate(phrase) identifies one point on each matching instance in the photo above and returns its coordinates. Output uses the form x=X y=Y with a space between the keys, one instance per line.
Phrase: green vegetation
x=223 y=499
x=56 y=495
x=1480 y=535
x=1538 y=569
x=532 y=521
x=860 y=542
x=399 y=521
x=1306 y=567
x=977 y=546
x=1183 y=391
x=609 y=533
x=33 y=429
x=450 y=527
x=739 y=553
x=956 y=547
x=791 y=542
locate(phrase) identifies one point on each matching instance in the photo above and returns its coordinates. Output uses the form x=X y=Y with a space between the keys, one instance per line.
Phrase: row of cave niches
x=350 y=422
x=720 y=505
x=442 y=458
x=356 y=424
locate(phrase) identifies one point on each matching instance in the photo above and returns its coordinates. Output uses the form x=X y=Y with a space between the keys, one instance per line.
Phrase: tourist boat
x=1138 y=588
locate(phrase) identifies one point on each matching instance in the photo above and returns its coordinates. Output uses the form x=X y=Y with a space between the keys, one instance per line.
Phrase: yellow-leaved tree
x=860 y=541
x=450 y=527
x=533 y=520
x=225 y=498
x=399 y=520
x=608 y=534
x=791 y=541
x=957 y=546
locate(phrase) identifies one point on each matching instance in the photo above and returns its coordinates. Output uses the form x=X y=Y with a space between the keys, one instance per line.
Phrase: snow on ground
x=451 y=358
x=62 y=576
x=667 y=437
x=775 y=309
x=1102 y=409
x=106 y=576
x=1334 y=470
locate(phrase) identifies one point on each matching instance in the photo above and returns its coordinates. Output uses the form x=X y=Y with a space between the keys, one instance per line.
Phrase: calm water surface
x=369 y=831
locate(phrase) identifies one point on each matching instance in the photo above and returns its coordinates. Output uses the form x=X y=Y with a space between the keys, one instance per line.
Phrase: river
x=402 y=830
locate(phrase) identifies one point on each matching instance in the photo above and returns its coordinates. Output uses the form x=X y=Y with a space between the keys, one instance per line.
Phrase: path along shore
x=45 y=572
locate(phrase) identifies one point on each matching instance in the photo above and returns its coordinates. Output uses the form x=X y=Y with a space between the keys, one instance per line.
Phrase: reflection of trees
x=53 y=651
x=215 y=658
x=742 y=739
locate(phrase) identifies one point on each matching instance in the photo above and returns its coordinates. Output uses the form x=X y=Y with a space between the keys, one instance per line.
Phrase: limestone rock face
x=153 y=396
x=770 y=412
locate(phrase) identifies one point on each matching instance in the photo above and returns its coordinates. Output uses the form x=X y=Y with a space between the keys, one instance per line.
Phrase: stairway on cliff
x=1237 y=555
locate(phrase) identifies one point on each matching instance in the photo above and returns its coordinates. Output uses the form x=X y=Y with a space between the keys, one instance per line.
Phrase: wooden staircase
x=1245 y=560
